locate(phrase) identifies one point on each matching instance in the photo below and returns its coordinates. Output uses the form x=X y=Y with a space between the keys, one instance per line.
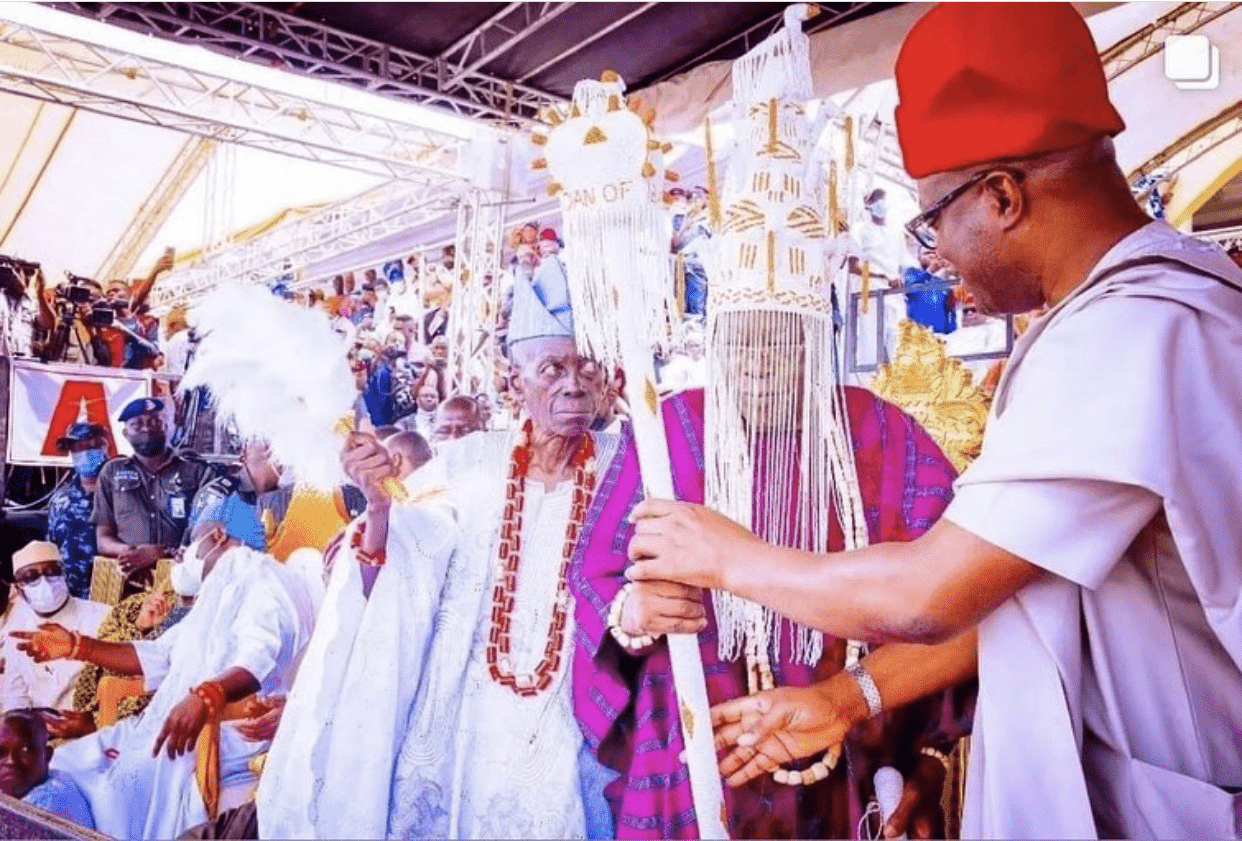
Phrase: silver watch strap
x=870 y=692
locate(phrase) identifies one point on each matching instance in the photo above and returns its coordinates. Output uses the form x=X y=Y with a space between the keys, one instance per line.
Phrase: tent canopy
x=100 y=195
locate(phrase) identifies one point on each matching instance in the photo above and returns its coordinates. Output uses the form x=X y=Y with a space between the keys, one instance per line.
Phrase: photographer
x=133 y=337
x=80 y=313
x=19 y=315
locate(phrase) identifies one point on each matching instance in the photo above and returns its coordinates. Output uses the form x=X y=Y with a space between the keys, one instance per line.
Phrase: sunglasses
x=25 y=579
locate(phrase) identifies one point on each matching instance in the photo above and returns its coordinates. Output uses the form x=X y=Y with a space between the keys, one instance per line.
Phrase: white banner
x=46 y=399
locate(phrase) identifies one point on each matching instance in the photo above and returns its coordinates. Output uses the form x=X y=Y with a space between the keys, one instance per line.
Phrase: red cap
x=980 y=82
x=548 y=233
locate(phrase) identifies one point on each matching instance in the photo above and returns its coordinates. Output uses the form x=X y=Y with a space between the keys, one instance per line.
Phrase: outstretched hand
x=49 y=642
x=687 y=543
x=165 y=261
x=773 y=728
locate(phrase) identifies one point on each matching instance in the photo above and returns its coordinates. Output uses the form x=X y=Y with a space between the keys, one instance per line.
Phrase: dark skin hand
x=139 y=557
x=766 y=731
x=919 y=814
x=261 y=726
x=68 y=724
x=187 y=719
x=368 y=463
x=54 y=642
x=663 y=607
x=130 y=558
x=774 y=728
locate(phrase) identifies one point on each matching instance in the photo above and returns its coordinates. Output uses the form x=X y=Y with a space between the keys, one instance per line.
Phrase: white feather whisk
x=279 y=372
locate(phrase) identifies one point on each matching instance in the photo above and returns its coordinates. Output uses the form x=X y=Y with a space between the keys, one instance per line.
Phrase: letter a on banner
x=80 y=401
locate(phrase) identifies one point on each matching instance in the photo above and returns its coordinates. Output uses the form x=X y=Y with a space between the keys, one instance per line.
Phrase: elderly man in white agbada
x=435 y=696
x=249 y=623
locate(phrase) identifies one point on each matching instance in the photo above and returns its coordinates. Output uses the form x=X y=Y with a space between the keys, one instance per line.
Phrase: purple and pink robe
x=626 y=704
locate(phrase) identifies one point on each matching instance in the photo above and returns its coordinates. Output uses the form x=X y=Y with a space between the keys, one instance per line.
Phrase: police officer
x=142 y=504
x=69 y=523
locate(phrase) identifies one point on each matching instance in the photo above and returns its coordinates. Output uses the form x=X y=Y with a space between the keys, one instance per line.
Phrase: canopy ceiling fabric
x=74 y=183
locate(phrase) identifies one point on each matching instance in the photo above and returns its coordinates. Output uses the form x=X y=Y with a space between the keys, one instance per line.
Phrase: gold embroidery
x=937 y=391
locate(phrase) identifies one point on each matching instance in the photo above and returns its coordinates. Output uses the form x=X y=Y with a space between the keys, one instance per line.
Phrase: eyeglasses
x=923 y=226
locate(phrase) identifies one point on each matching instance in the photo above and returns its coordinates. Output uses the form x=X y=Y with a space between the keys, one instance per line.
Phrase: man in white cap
x=39 y=573
x=435 y=696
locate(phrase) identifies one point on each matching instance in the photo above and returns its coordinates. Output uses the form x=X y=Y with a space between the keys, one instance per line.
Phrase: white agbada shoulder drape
x=1110 y=695
x=251 y=613
x=394 y=727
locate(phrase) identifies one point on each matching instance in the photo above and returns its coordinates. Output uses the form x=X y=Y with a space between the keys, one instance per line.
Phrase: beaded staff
x=608 y=171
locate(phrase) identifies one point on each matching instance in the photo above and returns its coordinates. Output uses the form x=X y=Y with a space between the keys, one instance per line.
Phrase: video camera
x=79 y=291
x=18 y=264
x=13 y=272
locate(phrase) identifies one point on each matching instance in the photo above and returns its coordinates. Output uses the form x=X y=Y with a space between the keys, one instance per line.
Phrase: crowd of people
x=487 y=657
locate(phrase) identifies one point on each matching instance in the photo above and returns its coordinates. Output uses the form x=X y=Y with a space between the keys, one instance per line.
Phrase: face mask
x=47 y=595
x=88 y=463
x=187 y=577
x=149 y=445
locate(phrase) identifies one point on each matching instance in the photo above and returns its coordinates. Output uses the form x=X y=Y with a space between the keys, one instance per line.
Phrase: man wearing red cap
x=1093 y=547
x=549 y=243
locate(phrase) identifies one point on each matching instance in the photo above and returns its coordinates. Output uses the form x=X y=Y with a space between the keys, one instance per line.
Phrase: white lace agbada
x=395 y=728
x=251 y=613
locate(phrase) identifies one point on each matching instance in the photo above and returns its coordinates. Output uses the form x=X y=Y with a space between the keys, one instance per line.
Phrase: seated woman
x=101 y=698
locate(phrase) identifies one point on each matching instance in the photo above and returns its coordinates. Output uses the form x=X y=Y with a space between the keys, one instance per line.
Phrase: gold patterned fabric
x=937 y=391
x=108 y=581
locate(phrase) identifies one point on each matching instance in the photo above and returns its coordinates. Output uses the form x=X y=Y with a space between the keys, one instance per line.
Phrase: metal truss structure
x=256 y=33
x=1226 y=238
x=1146 y=42
x=497 y=35
x=476 y=294
x=585 y=42
x=290 y=248
x=1195 y=143
x=96 y=77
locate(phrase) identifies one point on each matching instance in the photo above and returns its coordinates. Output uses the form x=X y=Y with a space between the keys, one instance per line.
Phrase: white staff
x=610 y=173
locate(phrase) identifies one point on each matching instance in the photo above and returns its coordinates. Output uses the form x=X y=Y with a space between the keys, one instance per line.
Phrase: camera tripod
x=65 y=336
